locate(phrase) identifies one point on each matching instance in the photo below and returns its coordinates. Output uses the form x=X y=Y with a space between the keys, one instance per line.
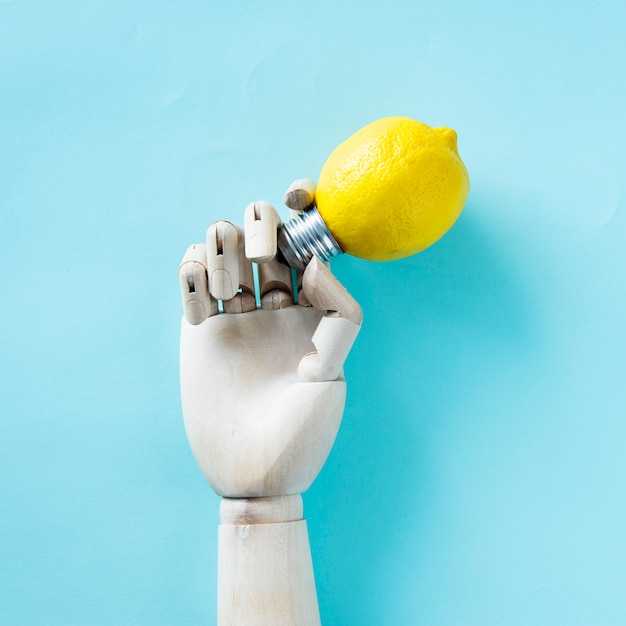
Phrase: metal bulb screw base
x=304 y=237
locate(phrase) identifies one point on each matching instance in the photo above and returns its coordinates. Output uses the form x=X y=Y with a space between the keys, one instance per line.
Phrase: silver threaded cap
x=304 y=237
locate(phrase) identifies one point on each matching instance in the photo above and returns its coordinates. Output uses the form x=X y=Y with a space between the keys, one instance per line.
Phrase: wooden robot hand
x=263 y=396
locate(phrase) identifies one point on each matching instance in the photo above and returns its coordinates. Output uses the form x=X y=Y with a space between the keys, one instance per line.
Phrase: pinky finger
x=198 y=304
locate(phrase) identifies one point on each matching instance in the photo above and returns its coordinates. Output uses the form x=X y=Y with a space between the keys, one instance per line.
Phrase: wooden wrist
x=266 y=510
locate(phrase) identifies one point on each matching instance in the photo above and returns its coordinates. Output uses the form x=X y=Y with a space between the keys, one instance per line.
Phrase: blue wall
x=479 y=477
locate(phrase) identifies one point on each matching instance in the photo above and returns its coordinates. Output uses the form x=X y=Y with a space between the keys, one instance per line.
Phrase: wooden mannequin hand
x=262 y=389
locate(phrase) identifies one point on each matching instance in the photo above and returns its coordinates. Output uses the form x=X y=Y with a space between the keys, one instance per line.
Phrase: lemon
x=392 y=189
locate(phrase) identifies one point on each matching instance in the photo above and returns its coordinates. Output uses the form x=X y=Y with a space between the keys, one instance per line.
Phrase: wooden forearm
x=265 y=573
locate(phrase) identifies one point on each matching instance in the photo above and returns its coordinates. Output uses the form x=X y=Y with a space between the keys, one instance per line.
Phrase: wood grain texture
x=265 y=576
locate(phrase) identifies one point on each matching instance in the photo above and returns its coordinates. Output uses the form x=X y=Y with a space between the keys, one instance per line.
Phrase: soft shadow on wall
x=427 y=319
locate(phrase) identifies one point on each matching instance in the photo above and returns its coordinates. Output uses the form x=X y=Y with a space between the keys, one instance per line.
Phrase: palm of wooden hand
x=255 y=427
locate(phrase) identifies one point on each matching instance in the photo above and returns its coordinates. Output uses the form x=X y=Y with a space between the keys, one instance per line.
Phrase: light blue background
x=480 y=474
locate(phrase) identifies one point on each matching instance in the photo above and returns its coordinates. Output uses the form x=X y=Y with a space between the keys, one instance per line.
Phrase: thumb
x=337 y=330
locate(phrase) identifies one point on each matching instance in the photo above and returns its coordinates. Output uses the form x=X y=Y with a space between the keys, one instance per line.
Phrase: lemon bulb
x=389 y=191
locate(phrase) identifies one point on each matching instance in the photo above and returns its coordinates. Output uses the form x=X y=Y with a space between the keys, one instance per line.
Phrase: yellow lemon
x=392 y=189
